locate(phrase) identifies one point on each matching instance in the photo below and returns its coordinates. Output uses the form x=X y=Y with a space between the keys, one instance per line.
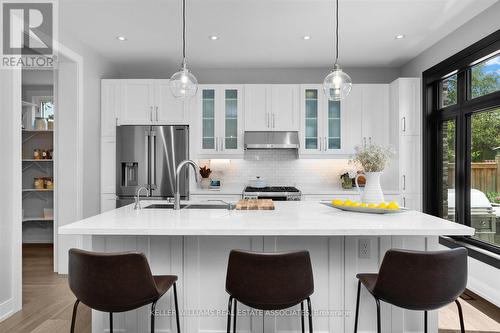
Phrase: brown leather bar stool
x=269 y=281
x=116 y=282
x=417 y=280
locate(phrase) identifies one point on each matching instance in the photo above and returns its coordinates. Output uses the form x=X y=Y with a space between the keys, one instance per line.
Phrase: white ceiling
x=264 y=33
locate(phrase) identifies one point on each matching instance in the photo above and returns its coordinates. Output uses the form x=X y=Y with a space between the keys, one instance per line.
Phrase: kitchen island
x=194 y=244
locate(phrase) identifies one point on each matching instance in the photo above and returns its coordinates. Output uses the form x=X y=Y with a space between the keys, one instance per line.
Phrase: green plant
x=373 y=158
x=493 y=197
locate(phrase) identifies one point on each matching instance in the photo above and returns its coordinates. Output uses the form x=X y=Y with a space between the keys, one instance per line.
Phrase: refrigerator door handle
x=152 y=156
x=148 y=160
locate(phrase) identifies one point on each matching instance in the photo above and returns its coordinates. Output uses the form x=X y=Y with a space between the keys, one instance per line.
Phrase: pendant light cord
x=183 y=33
x=337 y=32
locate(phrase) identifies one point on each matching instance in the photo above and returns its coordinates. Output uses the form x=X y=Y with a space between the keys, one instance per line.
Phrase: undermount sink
x=187 y=206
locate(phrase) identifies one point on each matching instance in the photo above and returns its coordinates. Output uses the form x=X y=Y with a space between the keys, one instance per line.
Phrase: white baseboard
x=6 y=309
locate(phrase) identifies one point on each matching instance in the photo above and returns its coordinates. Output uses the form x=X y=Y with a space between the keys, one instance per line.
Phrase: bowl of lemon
x=362 y=207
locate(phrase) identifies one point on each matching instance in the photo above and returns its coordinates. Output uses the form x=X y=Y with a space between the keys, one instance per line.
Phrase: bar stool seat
x=269 y=281
x=116 y=282
x=417 y=280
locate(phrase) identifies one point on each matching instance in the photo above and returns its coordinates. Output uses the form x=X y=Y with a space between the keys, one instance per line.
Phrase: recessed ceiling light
x=121 y=38
x=307 y=37
x=213 y=37
x=400 y=36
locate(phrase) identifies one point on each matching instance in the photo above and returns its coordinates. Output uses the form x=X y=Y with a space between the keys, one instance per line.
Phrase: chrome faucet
x=177 y=195
x=137 y=205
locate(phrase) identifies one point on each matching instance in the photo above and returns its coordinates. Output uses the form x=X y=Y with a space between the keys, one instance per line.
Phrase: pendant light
x=183 y=84
x=337 y=85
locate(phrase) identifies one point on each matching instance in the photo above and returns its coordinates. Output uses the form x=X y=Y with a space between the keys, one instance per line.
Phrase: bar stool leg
x=425 y=321
x=153 y=307
x=229 y=308
x=73 y=318
x=461 y=316
x=111 y=322
x=379 y=329
x=357 y=309
x=302 y=316
x=235 y=315
x=176 y=304
x=309 y=309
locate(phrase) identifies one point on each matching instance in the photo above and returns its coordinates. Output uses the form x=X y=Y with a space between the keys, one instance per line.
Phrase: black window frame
x=434 y=115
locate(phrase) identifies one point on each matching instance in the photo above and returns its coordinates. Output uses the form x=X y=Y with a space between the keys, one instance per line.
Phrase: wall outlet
x=364 y=248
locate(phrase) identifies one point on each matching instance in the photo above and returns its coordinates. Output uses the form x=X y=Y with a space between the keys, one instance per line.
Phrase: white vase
x=373 y=191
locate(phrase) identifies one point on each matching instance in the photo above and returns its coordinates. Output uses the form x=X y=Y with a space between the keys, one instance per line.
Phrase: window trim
x=432 y=116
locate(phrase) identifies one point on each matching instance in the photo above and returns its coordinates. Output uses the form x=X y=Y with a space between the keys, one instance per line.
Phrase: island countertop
x=290 y=218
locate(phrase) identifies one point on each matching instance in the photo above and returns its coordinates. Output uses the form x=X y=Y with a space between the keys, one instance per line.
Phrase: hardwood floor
x=48 y=303
x=47 y=300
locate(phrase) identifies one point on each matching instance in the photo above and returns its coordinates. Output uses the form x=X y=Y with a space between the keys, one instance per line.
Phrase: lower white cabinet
x=108 y=202
x=411 y=201
x=108 y=164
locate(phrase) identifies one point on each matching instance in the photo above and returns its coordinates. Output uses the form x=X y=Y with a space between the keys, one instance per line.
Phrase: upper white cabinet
x=110 y=106
x=170 y=110
x=220 y=116
x=272 y=107
x=145 y=102
x=405 y=96
x=375 y=113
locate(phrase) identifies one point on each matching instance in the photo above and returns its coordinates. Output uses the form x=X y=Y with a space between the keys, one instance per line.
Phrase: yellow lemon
x=363 y=205
x=348 y=203
x=392 y=205
x=382 y=205
x=372 y=205
x=337 y=202
x=356 y=204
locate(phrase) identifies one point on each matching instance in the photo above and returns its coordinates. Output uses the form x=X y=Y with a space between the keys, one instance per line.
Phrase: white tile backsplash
x=278 y=167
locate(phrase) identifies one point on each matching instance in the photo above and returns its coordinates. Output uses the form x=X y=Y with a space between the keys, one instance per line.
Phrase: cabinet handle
x=156 y=114
x=325 y=146
x=320 y=144
x=267 y=119
x=404 y=202
x=370 y=140
x=364 y=141
x=404 y=124
x=273 y=120
x=216 y=144
x=404 y=182
x=151 y=113
x=221 y=142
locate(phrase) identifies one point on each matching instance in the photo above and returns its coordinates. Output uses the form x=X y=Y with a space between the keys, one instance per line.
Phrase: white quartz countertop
x=290 y=218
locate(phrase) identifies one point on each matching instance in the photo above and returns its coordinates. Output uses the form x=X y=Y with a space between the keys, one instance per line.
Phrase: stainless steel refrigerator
x=148 y=156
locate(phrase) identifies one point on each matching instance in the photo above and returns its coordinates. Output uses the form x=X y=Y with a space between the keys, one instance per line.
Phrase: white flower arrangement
x=373 y=158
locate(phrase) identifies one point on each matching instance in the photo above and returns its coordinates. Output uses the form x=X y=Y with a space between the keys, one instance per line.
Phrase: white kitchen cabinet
x=168 y=109
x=375 y=113
x=150 y=102
x=285 y=107
x=108 y=164
x=409 y=162
x=110 y=106
x=406 y=97
x=325 y=127
x=272 y=107
x=411 y=201
x=137 y=102
x=108 y=202
x=220 y=119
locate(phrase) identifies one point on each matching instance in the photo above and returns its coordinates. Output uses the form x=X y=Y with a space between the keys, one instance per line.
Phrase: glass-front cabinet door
x=321 y=122
x=221 y=120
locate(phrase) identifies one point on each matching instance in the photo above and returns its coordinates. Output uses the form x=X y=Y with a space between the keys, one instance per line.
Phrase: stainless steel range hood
x=271 y=140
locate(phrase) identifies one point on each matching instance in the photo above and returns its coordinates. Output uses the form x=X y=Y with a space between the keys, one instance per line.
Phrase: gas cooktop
x=272 y=189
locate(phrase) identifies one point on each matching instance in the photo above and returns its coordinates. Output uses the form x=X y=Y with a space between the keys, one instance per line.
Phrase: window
x=449 y=91
x=484 y=170
x=485 y=77
x=462 y=141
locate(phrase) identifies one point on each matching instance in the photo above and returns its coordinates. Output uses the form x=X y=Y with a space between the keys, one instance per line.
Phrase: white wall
x=483 y=278
x=266 y=75
x=477 y=28
x=10 y=197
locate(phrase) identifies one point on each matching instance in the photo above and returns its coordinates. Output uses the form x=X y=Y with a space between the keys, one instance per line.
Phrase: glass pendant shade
x=337 y=85
x=183 y=84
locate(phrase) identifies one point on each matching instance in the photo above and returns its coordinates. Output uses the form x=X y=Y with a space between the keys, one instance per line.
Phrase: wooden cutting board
x=255 y=204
